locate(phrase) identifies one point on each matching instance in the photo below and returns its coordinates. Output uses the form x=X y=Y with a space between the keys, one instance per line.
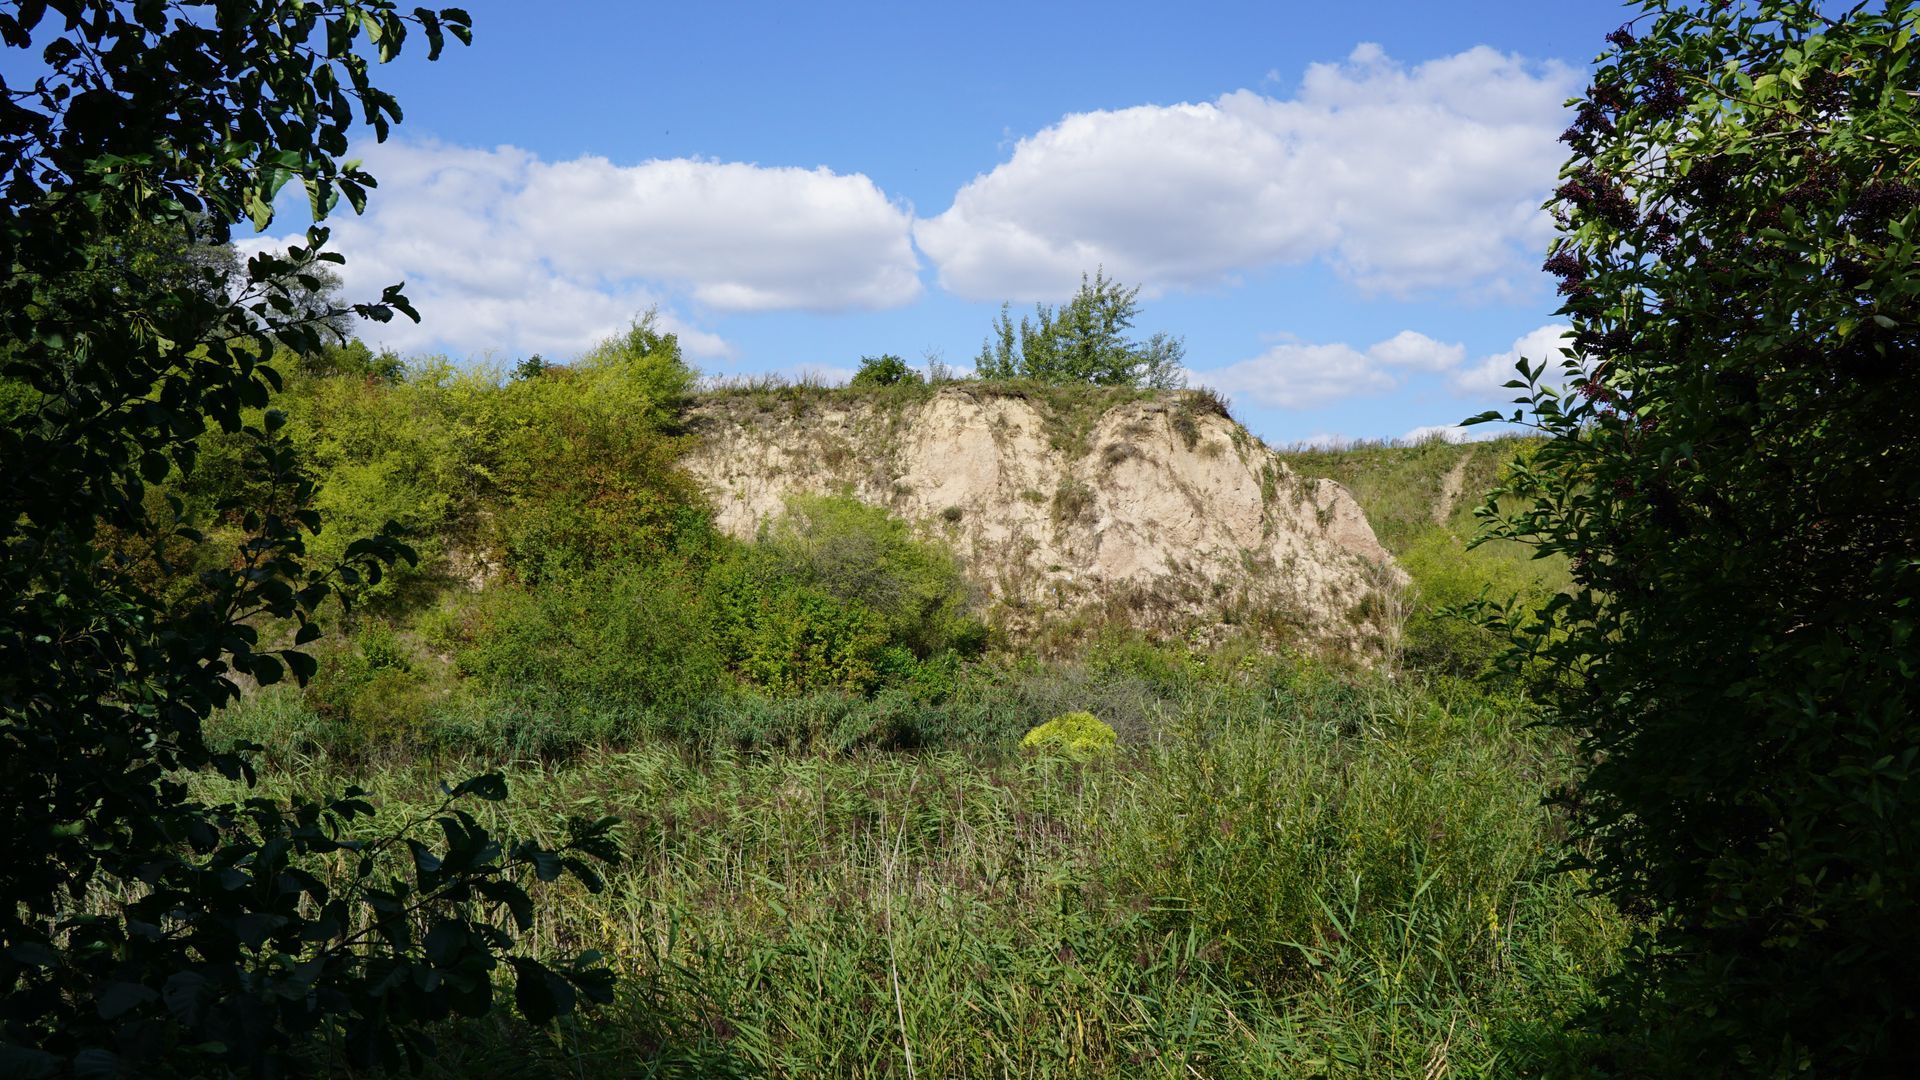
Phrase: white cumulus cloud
x=1297 y=375
x=1408 y=349
x=1294 y=375
x=502 y=250
x=1453 y=433
x=1485 y=378
x=1404 y=179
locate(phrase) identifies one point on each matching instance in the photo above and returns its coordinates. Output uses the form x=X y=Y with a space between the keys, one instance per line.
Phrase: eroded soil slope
x=1158 y=511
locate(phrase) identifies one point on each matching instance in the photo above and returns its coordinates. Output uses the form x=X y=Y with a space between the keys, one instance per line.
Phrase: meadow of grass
x=1285 y=871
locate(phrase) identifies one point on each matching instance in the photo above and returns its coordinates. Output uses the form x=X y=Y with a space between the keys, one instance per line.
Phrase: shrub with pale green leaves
x=1078 y=735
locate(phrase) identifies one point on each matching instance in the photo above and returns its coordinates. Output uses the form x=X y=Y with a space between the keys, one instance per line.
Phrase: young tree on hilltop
x=1084 y=341
x=1734 y=476
x=143 y=931
x=884 y=370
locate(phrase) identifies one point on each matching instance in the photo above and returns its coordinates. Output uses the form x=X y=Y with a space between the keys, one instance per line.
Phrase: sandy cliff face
x=1157 y=511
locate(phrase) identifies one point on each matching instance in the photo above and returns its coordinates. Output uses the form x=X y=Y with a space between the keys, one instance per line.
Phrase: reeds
x=1305 y=875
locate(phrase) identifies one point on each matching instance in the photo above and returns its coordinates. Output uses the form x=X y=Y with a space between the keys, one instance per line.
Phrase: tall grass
x=1293 y=874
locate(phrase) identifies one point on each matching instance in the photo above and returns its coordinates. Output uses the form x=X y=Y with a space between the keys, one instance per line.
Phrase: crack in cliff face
x=1169 y=517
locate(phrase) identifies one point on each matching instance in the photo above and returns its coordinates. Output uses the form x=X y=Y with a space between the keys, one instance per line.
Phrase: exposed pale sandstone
x=1161 y=510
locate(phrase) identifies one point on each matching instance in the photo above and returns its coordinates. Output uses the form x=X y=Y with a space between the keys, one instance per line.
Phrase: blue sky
x=1335 y=205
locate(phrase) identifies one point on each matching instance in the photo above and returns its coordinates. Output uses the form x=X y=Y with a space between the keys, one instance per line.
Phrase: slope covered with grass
x=1420 y=500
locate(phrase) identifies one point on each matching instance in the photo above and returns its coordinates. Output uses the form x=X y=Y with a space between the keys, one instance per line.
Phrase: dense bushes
x=860 y=555
x=398 y=447
x=1732 y=472
x=836 y=596
x=572 y=583
x=787 y=637
x=621 y=636
x=146 y=930
x=587 y=464
x=884 y=370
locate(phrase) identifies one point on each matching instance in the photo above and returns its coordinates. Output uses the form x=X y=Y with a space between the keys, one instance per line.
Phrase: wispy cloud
x=1486 y=378
x=1294 y=375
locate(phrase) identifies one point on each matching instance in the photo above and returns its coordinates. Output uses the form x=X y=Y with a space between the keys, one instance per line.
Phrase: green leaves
x=489 y=786
x=214 y=938
x=1738 y=277
x=1084 y=341
x=540 y=994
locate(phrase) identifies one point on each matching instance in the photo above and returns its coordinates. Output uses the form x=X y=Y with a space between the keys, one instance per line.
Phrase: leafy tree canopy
x=884 y=370
x=1733 y=473
x=141 y=930
x=1084 y=341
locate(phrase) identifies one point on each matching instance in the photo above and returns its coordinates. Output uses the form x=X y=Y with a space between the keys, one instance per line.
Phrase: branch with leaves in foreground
x=142 y=930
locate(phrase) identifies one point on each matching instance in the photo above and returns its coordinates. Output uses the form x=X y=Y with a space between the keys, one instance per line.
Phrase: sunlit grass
x=1295 y=874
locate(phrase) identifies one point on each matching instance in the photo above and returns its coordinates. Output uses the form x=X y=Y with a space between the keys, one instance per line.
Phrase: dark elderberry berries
x=1570 y=268
x=1879 y=202
x=1600 y=195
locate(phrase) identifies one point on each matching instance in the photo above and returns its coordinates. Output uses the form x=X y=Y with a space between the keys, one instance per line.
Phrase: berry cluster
x=1878 y=203
x=1602 y=344
x=1826 y=90
x=1571 y=268
x=1662 y=232
x=1593 y=118
x=1600 y=195
x=1708 y=181
x=1663 y=97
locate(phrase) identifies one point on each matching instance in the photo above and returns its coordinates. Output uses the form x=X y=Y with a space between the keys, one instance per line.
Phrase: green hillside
x=1421 y=501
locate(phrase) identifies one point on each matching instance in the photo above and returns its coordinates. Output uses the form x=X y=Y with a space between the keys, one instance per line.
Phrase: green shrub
x=588 y=487
x=631 y=637
x=640 y=376
x=803 y=640
x=1083 y=341
x=367 y=689
x=380 y=451
x=884 y=370
x=837 y=595
x=860 y=554
x=1732 y=472
x=1076 y=734
x=788 y=637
